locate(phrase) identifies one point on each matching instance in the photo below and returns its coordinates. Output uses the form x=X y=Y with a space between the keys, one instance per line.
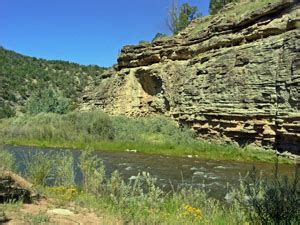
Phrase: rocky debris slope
x=231 y=78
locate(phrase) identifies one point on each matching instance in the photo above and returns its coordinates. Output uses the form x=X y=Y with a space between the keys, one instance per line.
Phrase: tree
x=172 y=17
x=186 y=15
x=216 y=5
x=180 y=18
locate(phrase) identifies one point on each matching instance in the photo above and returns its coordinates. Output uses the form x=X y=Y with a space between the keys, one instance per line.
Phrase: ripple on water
x=213 y=177
x=132 y=178
x=221 y=167
x=198 y=173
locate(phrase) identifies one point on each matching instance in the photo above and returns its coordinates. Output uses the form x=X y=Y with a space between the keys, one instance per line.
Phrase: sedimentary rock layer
x=235 y=79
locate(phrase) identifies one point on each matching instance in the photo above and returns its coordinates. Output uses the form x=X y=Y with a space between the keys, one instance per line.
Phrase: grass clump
x=97 y=130
x=50 y=169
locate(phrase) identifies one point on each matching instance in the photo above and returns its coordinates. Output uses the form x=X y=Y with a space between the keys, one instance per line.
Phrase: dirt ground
x=43 y=212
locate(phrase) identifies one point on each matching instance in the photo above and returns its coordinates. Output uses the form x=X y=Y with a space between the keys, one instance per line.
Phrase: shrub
x=95 y=123
x=48 y=100
x=6 y=111
x=54 y=168
x=271 y=202
x=39 y=168
x=93 y=172
x=63 y=169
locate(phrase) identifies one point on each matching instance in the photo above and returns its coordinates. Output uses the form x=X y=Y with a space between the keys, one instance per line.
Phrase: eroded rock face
x=237 y=80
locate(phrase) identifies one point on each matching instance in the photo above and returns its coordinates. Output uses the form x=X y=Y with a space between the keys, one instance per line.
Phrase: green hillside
x=21 y=76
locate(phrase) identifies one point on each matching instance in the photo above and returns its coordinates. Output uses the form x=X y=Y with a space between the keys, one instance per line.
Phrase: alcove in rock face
x=152 y=85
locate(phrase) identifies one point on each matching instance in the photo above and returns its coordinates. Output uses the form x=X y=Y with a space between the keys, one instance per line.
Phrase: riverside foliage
x=97 y=130
x=140 y=200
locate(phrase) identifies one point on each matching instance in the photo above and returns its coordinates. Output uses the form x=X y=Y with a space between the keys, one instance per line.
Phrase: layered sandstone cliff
x=234 y=77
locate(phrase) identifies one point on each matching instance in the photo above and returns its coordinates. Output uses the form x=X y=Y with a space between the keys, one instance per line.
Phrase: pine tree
x=186 y=15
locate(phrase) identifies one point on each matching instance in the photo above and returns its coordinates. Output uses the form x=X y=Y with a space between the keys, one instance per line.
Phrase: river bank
x=98 y=131
x=141 y=199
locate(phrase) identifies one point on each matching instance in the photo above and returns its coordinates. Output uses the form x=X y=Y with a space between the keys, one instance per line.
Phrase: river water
x=217 y=177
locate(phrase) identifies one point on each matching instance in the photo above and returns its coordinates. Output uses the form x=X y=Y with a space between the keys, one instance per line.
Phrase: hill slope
x=21 y=76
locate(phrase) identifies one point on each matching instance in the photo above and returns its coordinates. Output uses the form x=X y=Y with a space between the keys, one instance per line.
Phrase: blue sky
x=82 y=31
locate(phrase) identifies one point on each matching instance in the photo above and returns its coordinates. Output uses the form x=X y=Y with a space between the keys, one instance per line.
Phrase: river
x=217 y=177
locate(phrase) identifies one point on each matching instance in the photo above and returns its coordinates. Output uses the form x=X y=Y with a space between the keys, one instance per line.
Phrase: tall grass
x=97 y=130
x=7 y=161
x=55 y=169
x=93 y=172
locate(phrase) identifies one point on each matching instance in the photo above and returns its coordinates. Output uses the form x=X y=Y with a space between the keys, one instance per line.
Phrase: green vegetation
x=7 y=161
x=97 y=130
x=275 y=201
x=231 y=14
x=216 y=5
x=139 y=200
x=50 y=169
x=36 y=219
x=49 y=101
x=180 y=18
x=93 y=172
x=6 y=111
x=22 y=77
x=159 y=37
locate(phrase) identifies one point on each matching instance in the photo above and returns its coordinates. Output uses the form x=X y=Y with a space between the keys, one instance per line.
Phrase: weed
x=40 y=218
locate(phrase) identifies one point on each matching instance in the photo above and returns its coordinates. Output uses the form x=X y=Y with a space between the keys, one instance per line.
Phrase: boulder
x=15 y=188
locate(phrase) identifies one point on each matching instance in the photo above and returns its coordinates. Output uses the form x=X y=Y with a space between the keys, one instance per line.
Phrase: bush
x=271 y=202
x=95 y=123
x=63 y=163
x=48 y=100
x=6 y=111
x=39 y=168
x=93 y=172
x=55 y=168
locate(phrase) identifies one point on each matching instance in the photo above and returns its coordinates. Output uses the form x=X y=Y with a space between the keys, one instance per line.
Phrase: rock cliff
x=233 y=77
